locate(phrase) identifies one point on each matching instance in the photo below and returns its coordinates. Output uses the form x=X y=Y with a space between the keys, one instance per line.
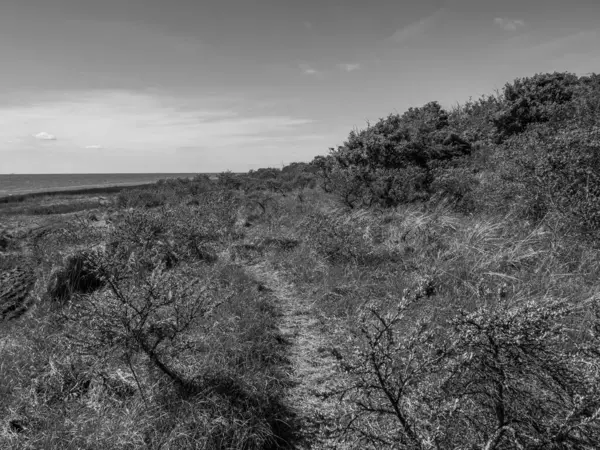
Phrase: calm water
x=21 y=184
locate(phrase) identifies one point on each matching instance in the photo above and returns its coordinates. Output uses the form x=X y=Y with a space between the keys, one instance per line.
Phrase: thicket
x=534 y=143
x=293 y=177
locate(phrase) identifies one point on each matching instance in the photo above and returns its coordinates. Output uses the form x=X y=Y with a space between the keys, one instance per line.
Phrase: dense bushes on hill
x=559 y=172
x=504 y=368
x=537 y=99
x=393 y=161
x=531 y=148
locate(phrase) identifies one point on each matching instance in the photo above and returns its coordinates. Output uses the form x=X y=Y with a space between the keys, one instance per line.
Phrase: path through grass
x=313 y=365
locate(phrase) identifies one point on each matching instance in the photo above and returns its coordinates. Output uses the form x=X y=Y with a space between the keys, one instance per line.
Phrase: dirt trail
x=312 y=364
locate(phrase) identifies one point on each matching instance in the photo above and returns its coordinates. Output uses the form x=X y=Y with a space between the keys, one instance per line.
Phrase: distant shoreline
x=23 y=192
x=105 y=189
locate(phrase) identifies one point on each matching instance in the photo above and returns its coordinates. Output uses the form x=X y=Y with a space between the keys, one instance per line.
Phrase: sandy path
x=313 y=367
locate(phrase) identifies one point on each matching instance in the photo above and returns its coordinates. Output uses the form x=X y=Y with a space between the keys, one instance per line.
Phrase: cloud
x=43 y=136
x=141 y=122
x=307 y=69
x=415 y=29
x=349 y=67
x=509 y=24
x=308 y=25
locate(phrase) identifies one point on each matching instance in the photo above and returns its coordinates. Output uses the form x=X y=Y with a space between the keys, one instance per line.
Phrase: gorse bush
x=474 y=118
x=176 y=234
x=172 y=329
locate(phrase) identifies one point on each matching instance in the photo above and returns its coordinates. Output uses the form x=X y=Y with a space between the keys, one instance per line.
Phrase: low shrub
x=338 y=237
x=506 y=375
x=77 y=275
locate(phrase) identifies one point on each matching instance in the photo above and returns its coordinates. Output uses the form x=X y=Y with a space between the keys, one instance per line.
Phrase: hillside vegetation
x=431 y=283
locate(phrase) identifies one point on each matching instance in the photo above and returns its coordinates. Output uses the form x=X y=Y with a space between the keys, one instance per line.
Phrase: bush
x=177 y=234
x=229 y=180
x=474 y=119
x=144 y=197
x=537 y=99
x=78 y=275
x=215 y=379
x=338 y=237
x=504 y=376
x=393 y=161
x=159 y=315
x=559 y=172
x=456 y=185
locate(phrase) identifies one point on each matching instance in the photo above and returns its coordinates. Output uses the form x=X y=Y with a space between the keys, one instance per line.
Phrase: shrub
x=392 y=161
x=338 y=237
x=177 y=234
x=456 y=185
x=507 y=375
x=229 y=180
x=159 y=315
x=77 y=275
x=531 y=100
x=559 y=172
x=215 y=380
x=474 y=118
x=144 y=197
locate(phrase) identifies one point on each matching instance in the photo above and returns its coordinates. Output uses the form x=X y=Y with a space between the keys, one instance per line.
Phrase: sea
x=15 y=184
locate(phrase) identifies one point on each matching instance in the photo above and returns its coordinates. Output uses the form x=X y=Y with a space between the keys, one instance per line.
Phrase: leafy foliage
x=393 y=161
x=559 y=171
x=534 y=100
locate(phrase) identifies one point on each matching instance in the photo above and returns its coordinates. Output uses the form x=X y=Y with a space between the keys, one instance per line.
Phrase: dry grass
x=290 y=280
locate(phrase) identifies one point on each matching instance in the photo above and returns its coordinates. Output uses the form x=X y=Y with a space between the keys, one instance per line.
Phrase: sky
x=99 y=86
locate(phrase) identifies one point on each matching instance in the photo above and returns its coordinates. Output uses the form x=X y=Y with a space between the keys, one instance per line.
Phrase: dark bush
x=531 y=100
x=78 y=275
x=5 y=241
x=393 y=161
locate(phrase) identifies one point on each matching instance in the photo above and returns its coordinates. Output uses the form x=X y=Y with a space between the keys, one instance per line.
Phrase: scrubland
x=431 y=283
